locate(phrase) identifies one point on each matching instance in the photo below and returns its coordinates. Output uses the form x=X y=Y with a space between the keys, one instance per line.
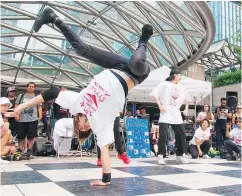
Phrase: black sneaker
x=147 y=32
x=47 y=16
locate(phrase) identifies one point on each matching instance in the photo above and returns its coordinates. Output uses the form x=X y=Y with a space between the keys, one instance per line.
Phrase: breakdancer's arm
x=47 y=95
x=106 y=179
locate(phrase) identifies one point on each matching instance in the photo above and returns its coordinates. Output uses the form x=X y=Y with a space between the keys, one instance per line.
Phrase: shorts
x=28 y=129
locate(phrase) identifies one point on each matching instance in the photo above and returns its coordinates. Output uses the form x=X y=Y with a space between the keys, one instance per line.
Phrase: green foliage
x=237 y=51
x=228 y=78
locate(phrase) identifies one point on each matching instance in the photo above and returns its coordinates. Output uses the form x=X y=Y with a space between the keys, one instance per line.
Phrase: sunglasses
x=238 y=108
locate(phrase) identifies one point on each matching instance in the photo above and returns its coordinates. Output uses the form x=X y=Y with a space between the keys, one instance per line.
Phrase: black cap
x=174 y=71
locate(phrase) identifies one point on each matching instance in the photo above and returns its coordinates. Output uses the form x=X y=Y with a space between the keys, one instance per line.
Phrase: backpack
x=223 y=153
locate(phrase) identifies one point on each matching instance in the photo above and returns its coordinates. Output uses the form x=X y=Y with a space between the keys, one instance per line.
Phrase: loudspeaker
x=232 y=99
x=42 y=147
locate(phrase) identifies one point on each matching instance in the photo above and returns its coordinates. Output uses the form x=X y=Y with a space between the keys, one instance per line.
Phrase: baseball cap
x=5 y=100
x=174 y=71
x=12 y=88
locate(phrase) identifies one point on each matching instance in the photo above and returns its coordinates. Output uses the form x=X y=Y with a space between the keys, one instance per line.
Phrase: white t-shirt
x=200 y=134
x=63 y=127
x=101 y=101
x=235 y=135
x=171 y=97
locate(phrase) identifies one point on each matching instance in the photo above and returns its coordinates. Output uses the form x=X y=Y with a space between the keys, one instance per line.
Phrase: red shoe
x=99 y=162
x=124 y=157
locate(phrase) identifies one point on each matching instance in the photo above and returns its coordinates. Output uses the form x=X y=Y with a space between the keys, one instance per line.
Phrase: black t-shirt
x=221 y=117
x=13 y=103
x=60 y=112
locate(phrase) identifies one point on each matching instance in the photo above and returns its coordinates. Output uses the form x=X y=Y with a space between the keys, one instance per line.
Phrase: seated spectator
x=233 y=146
x=205 y=114
x=65 y=127
x=171 y=144
x=238 y=113
x=154 y=139
x=200 y=143
x=5 y=132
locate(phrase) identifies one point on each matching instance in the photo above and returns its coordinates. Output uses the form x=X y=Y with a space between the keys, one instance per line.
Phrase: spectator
x=200 y=143
x=234 y=145
x=238 y=113
x=171 y=144
x=11 y=95
x=154 y=139
x=28 y=121
x=206 y=113
x=5 y=104
x=222 y=115
x=138 y=114
x=143 y=111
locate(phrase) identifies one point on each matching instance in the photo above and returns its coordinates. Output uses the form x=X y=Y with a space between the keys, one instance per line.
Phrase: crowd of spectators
x=224 y=124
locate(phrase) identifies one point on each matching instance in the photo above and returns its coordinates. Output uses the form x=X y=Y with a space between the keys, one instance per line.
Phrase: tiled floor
x=71 y=176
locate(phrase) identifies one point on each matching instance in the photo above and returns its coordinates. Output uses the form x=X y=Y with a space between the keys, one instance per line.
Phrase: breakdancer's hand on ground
x=99 y=183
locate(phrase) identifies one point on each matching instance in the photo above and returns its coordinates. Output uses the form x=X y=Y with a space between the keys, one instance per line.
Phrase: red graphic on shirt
x=90 y=101
x=174 y=95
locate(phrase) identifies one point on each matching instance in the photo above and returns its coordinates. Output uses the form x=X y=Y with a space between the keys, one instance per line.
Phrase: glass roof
x=180 y=32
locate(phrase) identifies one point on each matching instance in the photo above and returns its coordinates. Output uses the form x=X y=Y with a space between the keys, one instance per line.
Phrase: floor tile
x=22 y=177
x=230 y=173
x=167 y=161
x=10 y=190
x=121 y=187
x=153 y=170
x=203 y=167
x=16 y=167
x=233 y=190
x=236 y=164
x=80 y=174
x=196 y=180
x=184 y=193
x=43 y=189
x=56 y=166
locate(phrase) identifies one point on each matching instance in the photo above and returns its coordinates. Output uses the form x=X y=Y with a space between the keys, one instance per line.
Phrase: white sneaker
x=182 y=160
x=161 y=160
x=206 y=156
x=4 y=161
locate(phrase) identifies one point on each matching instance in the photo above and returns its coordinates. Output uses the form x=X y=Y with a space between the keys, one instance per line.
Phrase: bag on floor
x=223 y=153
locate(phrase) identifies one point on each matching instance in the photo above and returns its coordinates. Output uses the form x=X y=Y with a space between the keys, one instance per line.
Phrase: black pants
x=104 y=58
x=180 y=137
x=206 y=145
x=117 y=138
x=231 y=147
x=220 y=137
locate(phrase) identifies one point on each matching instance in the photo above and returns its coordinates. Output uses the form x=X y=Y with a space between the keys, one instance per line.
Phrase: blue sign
x=138 y=140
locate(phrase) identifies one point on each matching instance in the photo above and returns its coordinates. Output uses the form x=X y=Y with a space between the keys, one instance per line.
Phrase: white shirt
x=171 y=97
x=101 y=101
x=200 y=134
x=235 y=135
x=63 y=127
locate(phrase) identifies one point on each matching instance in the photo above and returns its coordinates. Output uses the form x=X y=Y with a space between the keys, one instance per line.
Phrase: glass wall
x=227 y=17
